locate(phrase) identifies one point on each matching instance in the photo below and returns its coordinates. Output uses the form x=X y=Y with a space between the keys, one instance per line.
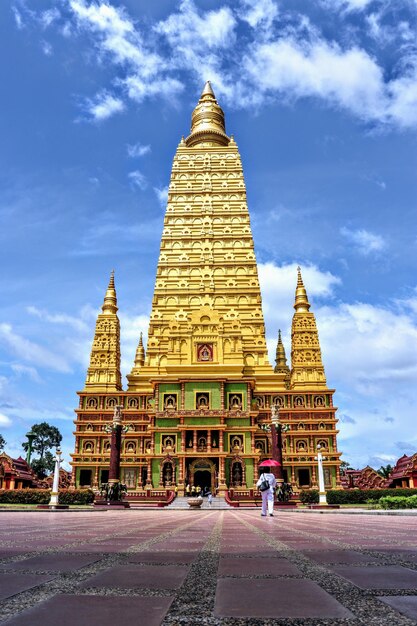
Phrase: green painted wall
x=201 y=421
x=248 y=449
x=212 y=387
x=155 y=473
x=238 y=421
x=157 y=443
x=250 y=472
x=166 y=421
x=169 y=388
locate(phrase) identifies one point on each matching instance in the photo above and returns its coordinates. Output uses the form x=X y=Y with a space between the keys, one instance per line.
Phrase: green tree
x=2 y=442
x=44 y=466
x=345 y=465
x=385 y=470
x=47 y=437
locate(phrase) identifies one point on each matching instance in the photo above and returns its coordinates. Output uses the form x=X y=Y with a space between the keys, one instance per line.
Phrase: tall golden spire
x=281 y=366
x=140 y=354
x=306 y=363
x=301 y=299
x=103 y=373
x=110 y=299
x=206 y=319
x=207 y=121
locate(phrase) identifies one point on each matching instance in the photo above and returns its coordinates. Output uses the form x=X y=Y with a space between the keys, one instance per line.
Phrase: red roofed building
x=16 y=473
x=366 y=478
x=404 y=473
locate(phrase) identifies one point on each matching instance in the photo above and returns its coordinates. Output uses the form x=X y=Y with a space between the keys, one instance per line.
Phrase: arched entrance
x=203 y=473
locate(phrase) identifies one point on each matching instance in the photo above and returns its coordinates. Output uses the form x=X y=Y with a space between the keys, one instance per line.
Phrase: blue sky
x=321 y=97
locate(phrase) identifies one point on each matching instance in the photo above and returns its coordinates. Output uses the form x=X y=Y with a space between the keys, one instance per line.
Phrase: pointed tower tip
x=280 y=358
x=301 y=304
x=110 y=299
x=208 y=90
x=207 y=121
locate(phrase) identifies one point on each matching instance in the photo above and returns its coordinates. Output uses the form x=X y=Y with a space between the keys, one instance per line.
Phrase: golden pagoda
x=198 y=401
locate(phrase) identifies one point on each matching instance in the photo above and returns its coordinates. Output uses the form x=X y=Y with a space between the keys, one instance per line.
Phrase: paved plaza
x=151 y=567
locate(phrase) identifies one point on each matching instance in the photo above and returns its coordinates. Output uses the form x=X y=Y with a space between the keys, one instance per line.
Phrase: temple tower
x=104 y=371
x=206 y=310
x=307 y=368
x=198 y=404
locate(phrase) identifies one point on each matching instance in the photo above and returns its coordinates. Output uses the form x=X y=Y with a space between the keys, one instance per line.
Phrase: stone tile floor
x=152 y=567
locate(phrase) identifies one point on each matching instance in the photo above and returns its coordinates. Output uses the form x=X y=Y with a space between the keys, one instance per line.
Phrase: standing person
x=209 y=498
x=268 y=494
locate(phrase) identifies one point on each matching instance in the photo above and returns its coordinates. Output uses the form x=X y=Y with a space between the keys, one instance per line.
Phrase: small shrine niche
x=202 y=400
x=235 y=401
x=205 y=352
x=168 y=445
x=236 y=443
x=170 y=401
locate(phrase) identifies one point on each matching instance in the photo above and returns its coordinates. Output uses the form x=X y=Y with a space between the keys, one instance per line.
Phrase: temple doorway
x=203 y=473
x=202 y=478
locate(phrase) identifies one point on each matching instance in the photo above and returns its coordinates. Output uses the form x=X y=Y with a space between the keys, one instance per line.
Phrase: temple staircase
x=217 y=503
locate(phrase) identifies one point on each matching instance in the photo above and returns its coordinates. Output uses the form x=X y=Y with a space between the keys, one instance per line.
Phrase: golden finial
x=301 y=300
x=280 y=356
x=207 y=121
x=140 y=353
x=110 y=299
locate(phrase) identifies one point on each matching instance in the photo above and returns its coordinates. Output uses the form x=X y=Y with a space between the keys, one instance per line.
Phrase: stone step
x=182 y=503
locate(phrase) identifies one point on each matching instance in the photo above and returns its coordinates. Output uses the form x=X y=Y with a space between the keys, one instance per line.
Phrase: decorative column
x=53 y=502
x=222 y=482
x=209 y=441
x=322 y=490
x=221 y=441
x=115 y=446
x=114 y=489
x=194 y=441
x=183 y=441
x=182 y=396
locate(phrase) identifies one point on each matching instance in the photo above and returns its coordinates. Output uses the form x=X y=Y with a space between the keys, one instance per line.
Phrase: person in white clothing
x=268 y=494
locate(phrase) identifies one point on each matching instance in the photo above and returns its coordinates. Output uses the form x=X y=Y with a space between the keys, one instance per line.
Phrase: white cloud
x=190 y=30
x=26 y=371
x=5 y=421
x=61 y=318
x=103 y=106
x=30 y=351
x=348 y=78
x=46 y=48
x=49 y=17
x=258 y=13
x=138 y=179
x=18 y=18
x=162 y=195
x=364 y=241
x=137 y=150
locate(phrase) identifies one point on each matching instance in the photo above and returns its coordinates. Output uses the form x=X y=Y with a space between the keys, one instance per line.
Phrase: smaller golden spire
x=110 y=299
x=140 y=353
x=207 y=121
x=302 y=304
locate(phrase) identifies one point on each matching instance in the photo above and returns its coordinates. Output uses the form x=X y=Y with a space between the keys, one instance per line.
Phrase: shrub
x=309 y=496
x=25 y=496
x=76 y=496
x=43 y=496
x=360 y=496
x=398 y=502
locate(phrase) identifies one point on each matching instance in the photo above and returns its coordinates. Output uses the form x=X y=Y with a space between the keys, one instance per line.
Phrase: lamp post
x=30 y=436
x=322 y=492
